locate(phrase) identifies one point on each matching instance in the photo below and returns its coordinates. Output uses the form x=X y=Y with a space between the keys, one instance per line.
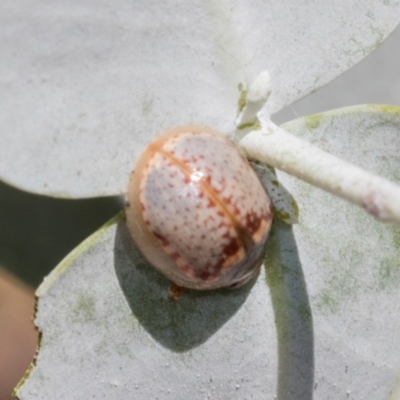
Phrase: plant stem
x=277 y=148
x=264 y=141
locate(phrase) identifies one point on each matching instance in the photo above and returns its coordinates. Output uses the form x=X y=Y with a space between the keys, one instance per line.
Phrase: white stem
x=257 y=96
x=277 y=148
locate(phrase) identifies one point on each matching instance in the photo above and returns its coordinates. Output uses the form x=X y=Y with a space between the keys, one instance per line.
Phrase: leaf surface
x=320 y=320
x=86 y=86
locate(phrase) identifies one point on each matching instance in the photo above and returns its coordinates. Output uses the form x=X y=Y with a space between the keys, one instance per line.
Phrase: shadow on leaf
x=292 y=315
x=177 y=325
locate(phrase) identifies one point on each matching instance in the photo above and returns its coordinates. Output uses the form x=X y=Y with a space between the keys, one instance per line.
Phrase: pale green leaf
x=350 y=261
x=85 y=86
x=321 y=321
x=110 y=330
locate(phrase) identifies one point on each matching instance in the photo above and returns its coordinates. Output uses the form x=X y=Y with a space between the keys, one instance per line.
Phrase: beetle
x=197 y=211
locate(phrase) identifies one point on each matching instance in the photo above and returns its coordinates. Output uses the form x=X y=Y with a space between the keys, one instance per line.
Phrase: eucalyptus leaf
x=350 y=261
x=320 y=321
x=110 y=330
x=86 y=85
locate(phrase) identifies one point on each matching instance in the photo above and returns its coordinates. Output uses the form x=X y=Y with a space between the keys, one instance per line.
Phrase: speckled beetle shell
x=197 y=210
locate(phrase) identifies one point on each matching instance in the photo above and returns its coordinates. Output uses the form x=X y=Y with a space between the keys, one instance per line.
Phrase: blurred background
x=37 y=232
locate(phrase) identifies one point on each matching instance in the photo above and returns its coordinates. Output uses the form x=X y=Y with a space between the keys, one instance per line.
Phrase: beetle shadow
x=177 y=325
x=293 y=316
